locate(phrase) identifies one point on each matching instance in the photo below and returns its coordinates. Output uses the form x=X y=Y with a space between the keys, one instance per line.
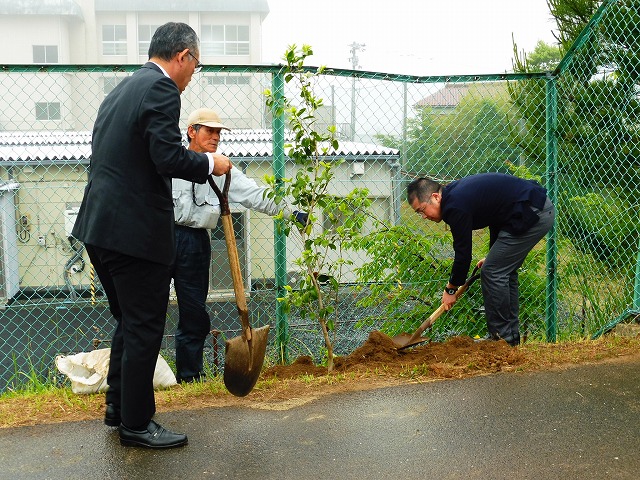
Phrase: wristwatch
x=451 y=291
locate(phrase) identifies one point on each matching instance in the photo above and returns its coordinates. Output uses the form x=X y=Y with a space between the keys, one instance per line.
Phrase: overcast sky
x=417 y=37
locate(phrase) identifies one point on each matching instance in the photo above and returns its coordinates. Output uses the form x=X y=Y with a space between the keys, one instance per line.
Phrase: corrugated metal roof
x=75 y=146
x=57 y=137
x=45 y=147
x=258 y=143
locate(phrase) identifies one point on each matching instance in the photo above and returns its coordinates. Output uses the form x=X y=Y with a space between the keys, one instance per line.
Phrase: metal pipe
x=552 y=189
x=77 y=248
x=280 y=239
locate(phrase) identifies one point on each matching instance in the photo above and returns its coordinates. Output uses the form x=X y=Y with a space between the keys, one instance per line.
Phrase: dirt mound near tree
x=457 y=356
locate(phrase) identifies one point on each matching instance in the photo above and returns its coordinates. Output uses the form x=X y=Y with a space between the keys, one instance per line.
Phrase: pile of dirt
x=455 y=357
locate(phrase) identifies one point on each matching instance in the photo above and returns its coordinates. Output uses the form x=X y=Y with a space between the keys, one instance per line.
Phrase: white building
x=118 y=32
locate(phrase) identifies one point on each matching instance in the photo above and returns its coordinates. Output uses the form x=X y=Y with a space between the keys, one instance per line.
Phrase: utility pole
x=355 y=47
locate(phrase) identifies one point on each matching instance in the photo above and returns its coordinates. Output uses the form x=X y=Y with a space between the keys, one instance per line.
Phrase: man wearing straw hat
x=197 y=209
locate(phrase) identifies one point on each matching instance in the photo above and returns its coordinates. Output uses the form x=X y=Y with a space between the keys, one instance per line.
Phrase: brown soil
x=375 y=364
x=458 y=356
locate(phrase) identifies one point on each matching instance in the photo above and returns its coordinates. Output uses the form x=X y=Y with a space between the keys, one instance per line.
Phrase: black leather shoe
x=154 y=436
x=112 y=415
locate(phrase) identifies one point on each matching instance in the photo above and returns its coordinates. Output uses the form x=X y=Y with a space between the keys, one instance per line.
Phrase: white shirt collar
x=162 y=69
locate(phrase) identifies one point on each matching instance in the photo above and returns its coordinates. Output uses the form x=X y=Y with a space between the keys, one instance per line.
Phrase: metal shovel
x=406 y=340
x=244 y=355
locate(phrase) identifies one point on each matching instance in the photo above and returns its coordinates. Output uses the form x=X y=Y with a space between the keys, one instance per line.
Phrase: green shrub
x=604 y=226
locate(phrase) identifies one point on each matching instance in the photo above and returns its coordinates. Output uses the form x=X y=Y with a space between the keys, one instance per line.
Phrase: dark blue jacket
x=494 y=200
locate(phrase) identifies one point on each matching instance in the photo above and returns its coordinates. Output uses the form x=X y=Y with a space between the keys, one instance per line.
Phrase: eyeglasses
x=198 y=64
x=420 y=210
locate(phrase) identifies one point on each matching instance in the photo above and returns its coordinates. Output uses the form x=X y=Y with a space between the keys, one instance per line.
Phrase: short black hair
x=171 y=38
x=422 y=188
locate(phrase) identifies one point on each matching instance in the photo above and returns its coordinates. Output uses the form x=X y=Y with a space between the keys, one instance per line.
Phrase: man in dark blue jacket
x=518 y=214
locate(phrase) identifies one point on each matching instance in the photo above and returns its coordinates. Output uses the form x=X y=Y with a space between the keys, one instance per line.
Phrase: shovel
x=406 y=340
x=244 y=355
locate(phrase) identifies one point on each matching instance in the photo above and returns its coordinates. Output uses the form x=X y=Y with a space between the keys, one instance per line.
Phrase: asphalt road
x=579 y=423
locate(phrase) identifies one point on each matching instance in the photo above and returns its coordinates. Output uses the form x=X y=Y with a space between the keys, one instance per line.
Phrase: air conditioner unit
x=9 y=275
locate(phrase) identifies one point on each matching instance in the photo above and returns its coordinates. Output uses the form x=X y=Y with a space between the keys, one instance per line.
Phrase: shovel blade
x=243 y=361
x=406 y=340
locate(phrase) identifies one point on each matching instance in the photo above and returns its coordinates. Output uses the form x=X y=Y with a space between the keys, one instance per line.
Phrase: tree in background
x=571 y=17
x=421 y=145
x=529 y=98
x=598 y=119
x=598 y=109
x=544 y=58
x=472 y=137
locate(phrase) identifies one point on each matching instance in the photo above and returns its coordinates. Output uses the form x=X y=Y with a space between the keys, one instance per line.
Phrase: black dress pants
x=138 y=294
x=191 y=281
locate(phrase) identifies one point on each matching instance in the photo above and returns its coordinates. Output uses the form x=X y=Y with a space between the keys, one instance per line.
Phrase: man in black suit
x=518 y=214
x=126 y=221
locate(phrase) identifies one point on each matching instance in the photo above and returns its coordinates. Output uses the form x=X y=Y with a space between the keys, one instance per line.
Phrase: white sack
x=88 y=371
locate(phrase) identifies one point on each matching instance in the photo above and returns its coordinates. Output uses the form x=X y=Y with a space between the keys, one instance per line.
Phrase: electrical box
x=9 y=275
x=70 y=216
x=357 y=168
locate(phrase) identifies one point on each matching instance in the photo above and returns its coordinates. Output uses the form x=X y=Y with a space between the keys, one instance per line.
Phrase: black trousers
x=191 y=281
x=138 y=294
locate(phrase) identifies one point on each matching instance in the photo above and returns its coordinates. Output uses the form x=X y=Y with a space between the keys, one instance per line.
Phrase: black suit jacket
x=136 y=150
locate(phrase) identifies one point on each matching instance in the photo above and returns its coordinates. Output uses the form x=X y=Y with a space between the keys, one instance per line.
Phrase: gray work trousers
x=499 y=275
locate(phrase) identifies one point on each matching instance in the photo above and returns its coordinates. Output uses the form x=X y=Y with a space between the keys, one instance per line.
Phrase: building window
x=225 y=40
x=114 y=40
x=228 y=80
x=109 y=83
x=145 y=33
x=48 y=111
x=45 y=54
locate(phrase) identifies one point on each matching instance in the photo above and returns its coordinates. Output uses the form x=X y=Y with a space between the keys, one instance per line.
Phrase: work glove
x=300 y=218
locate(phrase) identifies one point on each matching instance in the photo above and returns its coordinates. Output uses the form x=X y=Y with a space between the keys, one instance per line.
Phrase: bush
x=605 y=227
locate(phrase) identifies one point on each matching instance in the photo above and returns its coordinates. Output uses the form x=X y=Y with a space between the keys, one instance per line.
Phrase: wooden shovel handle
x=223 y=196
x=441 y=309
x=232 y=252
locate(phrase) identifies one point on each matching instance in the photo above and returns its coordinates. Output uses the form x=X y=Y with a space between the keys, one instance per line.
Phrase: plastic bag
x=88 y=371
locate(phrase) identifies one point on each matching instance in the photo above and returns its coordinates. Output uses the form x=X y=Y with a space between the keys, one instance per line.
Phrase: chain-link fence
x=575 y=129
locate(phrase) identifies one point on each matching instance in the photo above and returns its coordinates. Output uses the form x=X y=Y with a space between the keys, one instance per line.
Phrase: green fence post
x=280 y=240
x=552 y=188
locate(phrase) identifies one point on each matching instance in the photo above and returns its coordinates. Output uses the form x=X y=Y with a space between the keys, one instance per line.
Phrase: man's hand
x=448 y=300
x=221 y=164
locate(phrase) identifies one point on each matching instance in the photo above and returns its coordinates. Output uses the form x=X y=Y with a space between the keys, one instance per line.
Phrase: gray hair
x=171 y=38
